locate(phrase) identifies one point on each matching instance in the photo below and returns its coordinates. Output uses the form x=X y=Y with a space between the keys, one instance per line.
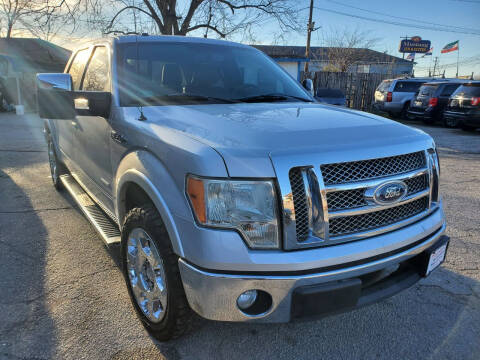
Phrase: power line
x=403 y=18
x=424 y=27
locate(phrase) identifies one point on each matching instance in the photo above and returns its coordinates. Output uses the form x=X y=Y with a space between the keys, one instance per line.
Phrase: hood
x=249 y=136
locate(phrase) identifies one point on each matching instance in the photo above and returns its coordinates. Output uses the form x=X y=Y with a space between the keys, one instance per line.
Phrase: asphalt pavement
x=63 y=295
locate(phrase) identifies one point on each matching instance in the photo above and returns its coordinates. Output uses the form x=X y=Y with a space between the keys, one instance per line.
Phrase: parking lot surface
x=63 y=295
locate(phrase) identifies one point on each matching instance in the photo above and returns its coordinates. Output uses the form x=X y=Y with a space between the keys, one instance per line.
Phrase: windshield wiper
x=272 y=98
x=200 y=97
x=180 y=97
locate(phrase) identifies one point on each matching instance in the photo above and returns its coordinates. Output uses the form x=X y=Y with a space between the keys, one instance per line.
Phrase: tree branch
x=214 y=28
x=109 y=26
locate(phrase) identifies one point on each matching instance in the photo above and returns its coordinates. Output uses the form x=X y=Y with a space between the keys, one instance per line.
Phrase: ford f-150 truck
x=230 y=190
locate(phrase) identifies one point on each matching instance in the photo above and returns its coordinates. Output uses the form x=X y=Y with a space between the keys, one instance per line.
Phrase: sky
x=458 y=13
x=421 y=13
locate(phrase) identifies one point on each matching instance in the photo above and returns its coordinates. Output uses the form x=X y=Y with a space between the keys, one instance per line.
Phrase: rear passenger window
x=407 y=86
x=97 y=74
x=449 y=89
x=384 y=85
x=78 y=66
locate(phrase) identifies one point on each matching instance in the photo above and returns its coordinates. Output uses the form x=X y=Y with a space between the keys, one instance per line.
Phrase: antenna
x=142 y=117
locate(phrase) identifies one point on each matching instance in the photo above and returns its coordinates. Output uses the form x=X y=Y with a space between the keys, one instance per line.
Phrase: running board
x=105 y=226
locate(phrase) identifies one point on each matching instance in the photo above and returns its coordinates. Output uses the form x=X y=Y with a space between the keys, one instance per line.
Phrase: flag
x=411 y=56
x=450 y=47
x=429 y=52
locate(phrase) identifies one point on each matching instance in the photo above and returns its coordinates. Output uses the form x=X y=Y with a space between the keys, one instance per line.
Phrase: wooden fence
x=359 y=88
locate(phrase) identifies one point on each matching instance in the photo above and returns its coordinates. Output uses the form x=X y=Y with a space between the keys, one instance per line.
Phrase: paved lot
x=63 y=295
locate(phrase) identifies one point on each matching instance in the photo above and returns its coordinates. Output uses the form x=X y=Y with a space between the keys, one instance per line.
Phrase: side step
x=105 y=226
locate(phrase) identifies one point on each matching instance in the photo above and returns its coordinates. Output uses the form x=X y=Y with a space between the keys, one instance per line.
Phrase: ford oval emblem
x=390 y=192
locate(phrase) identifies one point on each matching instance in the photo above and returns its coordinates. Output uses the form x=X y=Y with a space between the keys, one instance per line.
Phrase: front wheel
x=151 y=272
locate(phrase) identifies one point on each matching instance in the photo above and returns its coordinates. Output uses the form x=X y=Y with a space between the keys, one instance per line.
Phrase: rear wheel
x=56 y=167
x=450 y=122
x=151 y=272
x=467 y=127
x=404 y=114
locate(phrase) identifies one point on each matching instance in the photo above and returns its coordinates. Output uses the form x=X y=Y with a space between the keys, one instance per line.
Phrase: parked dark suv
x=463 y=108
x=431 y=100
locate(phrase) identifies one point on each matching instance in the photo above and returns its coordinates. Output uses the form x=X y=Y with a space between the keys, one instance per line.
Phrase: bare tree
x=41 y=18
x=222 y=17
x=343 y=47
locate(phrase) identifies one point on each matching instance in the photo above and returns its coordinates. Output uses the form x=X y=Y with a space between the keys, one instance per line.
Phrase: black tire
x=468 y=128
x=178 y=314
x=404 y=113
x=450 y=122
x=429 y=121
x=56 y=167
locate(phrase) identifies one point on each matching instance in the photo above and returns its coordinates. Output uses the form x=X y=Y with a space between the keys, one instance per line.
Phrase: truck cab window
x=78 y=66
x=97 y=74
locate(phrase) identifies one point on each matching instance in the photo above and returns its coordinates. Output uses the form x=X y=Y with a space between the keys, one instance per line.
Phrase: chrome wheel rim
x=52 y=161
x=146 y=274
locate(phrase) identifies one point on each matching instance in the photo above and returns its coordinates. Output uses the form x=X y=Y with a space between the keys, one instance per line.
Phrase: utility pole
x=435 y=65
x=310 y=29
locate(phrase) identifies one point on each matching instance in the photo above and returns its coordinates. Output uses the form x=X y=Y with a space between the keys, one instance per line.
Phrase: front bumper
x=213 y=295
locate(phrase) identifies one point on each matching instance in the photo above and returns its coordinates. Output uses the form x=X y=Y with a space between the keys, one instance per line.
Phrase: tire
x=450 y=122
x=429 y=121
x=56 y=166
x=404 y=113
x=468 y=128
x=152 y=275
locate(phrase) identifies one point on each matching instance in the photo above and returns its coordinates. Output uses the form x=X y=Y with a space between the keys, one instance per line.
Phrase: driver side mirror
x=54 y=96
x=308 y=85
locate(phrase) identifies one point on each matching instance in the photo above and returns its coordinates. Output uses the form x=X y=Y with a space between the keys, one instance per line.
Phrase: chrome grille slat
x=357 y=223
x=300 y=203
x=339 y=173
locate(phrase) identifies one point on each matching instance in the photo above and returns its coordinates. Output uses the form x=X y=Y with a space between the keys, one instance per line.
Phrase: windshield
x=189 y=73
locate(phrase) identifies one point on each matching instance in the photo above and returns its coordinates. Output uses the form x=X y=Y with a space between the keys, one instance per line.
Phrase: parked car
x=231 y=191
x=431 y=100
x=394 y=96
x=331 y=96
x=463 y=108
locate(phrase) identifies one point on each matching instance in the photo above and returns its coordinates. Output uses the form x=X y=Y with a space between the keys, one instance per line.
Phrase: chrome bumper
x=213 y=295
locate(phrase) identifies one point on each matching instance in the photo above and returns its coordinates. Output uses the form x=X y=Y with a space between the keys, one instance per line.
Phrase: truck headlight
x=244 y=205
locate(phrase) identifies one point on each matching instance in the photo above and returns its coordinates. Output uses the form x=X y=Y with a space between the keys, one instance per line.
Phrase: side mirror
x=308 y=85
x=54 y=96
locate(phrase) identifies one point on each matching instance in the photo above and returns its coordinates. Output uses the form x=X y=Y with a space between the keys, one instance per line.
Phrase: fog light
x=246 y=299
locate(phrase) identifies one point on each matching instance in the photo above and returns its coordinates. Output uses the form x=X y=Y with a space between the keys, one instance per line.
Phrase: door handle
x=119 y=138
x=74 y=125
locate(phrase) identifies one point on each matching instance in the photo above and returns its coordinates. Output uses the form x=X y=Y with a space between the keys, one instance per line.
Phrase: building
x=292 y=59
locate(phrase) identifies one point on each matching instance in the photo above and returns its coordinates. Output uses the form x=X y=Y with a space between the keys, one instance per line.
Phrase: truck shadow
x=26 y=326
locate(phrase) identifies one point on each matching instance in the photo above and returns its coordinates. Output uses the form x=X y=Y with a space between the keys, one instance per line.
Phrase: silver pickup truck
x=230 y=190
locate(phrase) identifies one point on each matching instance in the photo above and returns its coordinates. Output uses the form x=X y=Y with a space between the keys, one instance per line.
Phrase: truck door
x=92 y=133
x=64 y=128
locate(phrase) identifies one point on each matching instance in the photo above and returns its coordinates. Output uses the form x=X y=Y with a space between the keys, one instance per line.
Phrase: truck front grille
x=340 y=173
x=349 y=214
x=350 y=199
x=357 y=223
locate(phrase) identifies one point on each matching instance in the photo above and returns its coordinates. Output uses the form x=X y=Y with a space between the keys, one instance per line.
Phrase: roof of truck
x=173 y=38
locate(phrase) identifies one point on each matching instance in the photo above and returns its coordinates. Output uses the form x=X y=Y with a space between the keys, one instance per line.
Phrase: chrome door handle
x=74 y=124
